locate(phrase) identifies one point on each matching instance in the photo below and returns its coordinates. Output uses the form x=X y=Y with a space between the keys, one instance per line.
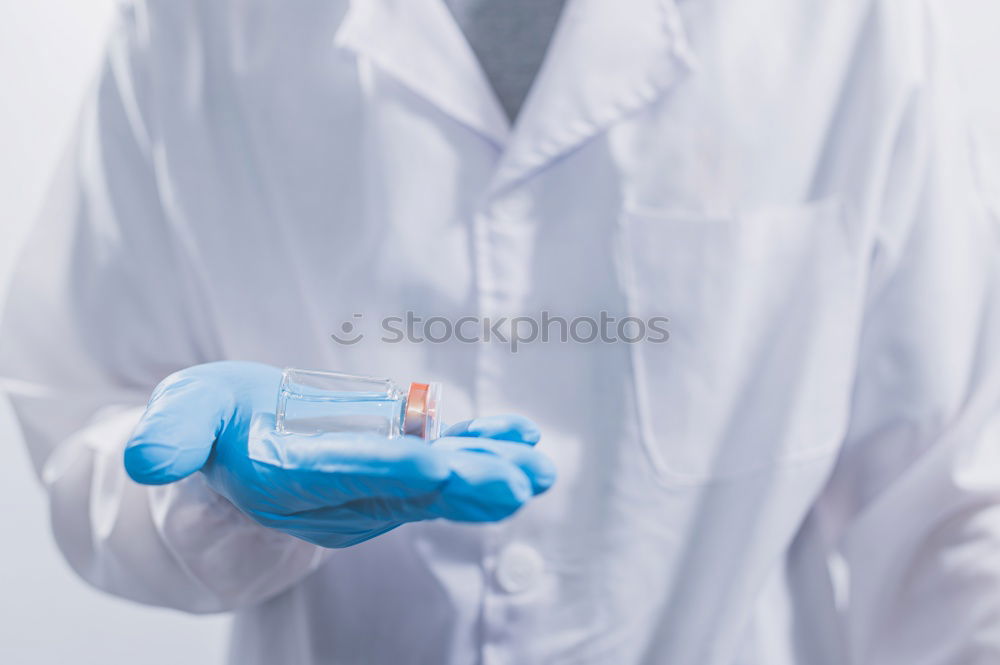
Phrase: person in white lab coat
x=806 y=471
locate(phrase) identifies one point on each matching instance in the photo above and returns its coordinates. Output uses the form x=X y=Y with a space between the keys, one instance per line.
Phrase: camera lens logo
x=348 y=335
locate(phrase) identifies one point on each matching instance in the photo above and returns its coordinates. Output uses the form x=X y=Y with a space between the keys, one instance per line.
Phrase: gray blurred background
x=49 y=50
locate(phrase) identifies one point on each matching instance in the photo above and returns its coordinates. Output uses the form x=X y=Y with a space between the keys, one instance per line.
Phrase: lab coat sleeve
x=913 y=507
x=105 y=302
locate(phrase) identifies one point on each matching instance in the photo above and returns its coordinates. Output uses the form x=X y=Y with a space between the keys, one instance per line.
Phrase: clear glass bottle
x=317 y=402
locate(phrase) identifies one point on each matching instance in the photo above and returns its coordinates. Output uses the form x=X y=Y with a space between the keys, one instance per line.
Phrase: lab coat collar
x=606 y=60
x=418 y=43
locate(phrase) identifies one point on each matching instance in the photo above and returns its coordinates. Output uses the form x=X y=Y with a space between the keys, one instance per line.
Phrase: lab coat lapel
x=419 y=44
x=607 y=59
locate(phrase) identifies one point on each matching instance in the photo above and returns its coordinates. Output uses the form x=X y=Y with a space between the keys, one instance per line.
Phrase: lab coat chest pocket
x=757 y=368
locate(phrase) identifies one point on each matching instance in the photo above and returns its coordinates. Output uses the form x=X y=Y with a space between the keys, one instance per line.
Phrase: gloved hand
x=333 y=490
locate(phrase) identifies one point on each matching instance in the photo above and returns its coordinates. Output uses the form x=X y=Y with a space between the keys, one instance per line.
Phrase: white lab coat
x=806 y=472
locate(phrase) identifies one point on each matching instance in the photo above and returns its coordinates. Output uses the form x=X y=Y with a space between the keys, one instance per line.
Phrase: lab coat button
x=519 y=568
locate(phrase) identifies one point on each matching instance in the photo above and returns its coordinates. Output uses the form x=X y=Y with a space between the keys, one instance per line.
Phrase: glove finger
x=535 y=465
x=174 y=437
x=319 y=535
x=332 y=539
x=502 y=427
x=332 y=526
x=351 y=523
x=482 y=488
x=295 y=473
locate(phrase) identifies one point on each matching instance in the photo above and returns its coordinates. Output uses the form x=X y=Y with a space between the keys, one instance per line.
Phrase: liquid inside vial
x=325 y=402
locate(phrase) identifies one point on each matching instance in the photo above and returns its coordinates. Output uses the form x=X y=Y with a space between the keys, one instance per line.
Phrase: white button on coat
x=519 y=568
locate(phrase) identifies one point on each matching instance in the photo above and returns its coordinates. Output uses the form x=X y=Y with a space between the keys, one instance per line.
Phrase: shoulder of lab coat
x=106 y=301
x=913 y=507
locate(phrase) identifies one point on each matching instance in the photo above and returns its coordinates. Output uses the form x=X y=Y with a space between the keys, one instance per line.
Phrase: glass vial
x=316 y=402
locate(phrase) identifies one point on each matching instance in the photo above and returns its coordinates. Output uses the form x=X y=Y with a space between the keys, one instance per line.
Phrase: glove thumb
x=175 y=435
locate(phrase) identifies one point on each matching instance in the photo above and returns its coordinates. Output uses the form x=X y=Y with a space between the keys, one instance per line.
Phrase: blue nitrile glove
x=333 y=490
